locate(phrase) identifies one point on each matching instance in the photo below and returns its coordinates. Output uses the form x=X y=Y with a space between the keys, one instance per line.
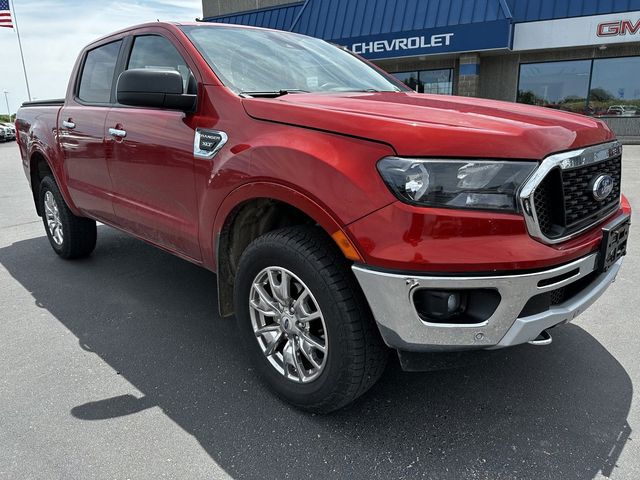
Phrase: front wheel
x=306 y=324
x=70 y=236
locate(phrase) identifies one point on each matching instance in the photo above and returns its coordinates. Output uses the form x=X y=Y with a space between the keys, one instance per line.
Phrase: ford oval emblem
x=602 y=187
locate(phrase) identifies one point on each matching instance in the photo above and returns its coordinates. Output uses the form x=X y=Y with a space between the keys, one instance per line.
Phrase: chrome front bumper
x=391 y=299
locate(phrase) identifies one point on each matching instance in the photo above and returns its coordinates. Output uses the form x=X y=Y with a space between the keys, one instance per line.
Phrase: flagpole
x=24 y=68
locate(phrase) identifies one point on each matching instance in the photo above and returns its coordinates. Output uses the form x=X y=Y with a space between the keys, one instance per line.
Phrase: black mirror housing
x=154 y=88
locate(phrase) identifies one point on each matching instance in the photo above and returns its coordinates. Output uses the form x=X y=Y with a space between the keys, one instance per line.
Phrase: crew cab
x=345 y=215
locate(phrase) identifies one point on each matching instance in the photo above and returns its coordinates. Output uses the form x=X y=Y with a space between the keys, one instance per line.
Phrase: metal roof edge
x=506 y=10
x=256 y=10
x=297 y=19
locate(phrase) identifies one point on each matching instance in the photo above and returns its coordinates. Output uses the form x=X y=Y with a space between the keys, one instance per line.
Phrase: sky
x=54 y=31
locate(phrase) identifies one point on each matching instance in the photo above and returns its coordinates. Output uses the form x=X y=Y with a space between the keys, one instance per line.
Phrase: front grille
x=564 y=202
x=547 y=200
x=579 y=203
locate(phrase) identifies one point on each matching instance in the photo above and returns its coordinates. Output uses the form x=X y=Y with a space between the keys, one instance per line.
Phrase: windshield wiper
x=273 y=94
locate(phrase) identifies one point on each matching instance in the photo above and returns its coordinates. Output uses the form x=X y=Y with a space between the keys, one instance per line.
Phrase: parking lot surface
x=118 y=366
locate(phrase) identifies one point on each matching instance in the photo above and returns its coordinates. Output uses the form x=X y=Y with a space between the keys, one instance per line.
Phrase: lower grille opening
x=560 y=278
x=544 y=301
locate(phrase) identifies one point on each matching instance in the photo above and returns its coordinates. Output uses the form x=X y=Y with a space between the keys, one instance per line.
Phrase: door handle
x=114 y=132
x=68 y=124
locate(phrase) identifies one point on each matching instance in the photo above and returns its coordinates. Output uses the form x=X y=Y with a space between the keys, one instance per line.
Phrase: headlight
x=478 y=184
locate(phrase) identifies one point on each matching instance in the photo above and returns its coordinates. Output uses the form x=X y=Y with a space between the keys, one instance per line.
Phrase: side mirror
x=154 y=88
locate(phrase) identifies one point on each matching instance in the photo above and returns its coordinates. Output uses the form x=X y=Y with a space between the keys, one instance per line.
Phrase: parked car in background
x=622 y=110
x=344 y=214
x=10 y=131
x=3 y=135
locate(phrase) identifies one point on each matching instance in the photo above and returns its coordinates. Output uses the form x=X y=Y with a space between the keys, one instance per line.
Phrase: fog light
x=453 y=302
x=439 y=305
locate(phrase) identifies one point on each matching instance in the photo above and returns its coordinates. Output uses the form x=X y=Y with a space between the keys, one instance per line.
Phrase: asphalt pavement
x=118 y=366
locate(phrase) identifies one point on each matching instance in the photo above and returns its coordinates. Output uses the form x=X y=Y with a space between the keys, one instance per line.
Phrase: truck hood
x=436 y=125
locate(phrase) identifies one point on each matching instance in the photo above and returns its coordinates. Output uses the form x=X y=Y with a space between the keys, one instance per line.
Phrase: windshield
x=260 y=61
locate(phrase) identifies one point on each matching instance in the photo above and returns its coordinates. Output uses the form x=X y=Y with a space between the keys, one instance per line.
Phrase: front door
x=151 y=160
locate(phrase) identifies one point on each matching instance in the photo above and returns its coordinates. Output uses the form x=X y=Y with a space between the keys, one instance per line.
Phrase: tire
x=354 y=356
x=70 y=236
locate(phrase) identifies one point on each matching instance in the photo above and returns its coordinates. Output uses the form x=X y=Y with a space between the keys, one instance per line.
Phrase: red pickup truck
x=344 y=214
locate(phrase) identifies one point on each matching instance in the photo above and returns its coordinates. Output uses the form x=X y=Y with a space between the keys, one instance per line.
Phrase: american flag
x=5 y=14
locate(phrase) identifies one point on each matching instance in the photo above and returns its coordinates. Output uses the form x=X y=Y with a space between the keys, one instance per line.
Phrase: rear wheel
x=307 y=326
x=70 y=236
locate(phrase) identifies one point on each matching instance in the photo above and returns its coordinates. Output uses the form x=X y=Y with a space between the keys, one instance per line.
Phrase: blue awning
x=280 y=18
x=343 y=19
x=391 y=28
x=380 y=29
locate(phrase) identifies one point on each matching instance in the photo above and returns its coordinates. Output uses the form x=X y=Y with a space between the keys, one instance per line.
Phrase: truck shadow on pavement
x=527 y=412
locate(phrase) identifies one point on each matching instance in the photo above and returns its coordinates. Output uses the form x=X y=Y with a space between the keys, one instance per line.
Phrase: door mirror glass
x=157 y=88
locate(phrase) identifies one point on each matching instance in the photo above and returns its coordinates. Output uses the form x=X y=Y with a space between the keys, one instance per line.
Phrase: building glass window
x=560 y=85
x=410 y=79
x=428 y=81
x=437 y=81
x=615 y=87
x=600 y=87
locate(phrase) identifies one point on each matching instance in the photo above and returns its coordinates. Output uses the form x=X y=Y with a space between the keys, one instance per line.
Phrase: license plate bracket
x=614 y=243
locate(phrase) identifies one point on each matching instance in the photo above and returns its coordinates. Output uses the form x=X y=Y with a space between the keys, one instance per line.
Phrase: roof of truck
x=173 y=25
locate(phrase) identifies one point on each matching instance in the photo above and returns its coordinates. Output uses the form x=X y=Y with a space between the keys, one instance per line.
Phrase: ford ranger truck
x=344 y=214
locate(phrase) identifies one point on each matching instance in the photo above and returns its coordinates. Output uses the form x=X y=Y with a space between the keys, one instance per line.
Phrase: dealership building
x=576 y=55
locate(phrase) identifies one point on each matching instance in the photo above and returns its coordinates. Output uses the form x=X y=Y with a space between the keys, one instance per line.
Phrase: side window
x=97 y=73
x=154 y=51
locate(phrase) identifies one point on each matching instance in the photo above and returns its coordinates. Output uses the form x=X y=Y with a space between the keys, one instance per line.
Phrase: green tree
x=527 y=97
x=601 y=95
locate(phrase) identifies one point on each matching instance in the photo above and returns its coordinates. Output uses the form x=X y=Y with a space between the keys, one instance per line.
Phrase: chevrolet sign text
x=411 y=43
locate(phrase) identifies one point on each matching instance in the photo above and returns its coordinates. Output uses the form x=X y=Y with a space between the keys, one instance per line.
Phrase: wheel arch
x=39 y=168
x=40 y=165
x=255 y=209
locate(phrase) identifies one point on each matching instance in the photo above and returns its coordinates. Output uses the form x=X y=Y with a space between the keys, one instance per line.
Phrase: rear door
x=81 y=131
x=152 y=165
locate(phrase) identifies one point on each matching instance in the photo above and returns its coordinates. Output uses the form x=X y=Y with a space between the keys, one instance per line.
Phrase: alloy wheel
x=52 y=215
x=288 y=324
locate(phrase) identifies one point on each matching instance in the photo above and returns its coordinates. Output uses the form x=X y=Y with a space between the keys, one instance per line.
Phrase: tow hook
x=543 y=339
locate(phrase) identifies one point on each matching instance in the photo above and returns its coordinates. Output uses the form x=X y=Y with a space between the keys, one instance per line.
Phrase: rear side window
x=97 y=74
x=154 y=51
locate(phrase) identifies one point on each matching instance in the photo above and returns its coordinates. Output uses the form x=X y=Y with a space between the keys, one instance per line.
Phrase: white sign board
x=580 y=31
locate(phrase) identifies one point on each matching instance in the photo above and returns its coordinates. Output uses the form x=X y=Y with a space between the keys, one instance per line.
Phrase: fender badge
x=207 y=143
